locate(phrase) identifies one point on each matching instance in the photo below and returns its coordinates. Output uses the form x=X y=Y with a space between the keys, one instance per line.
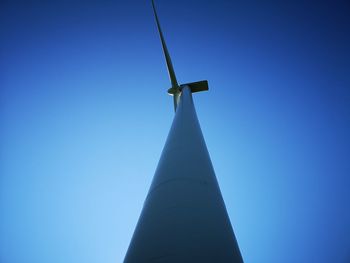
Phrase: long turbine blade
x=166 y=53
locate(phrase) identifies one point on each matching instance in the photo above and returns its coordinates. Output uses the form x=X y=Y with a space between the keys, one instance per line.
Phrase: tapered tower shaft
x=184 y=218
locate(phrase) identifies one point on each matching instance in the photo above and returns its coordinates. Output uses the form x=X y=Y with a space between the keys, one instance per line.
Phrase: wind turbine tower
x=184 y=218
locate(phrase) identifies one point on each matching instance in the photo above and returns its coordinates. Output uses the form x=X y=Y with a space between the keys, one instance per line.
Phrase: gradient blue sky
x=84 y=115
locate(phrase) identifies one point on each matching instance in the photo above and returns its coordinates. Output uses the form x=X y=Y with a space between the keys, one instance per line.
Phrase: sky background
x=84 y=115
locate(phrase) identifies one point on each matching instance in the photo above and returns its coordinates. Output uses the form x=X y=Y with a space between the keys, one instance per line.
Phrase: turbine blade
x=175 y=102
x=170 y=67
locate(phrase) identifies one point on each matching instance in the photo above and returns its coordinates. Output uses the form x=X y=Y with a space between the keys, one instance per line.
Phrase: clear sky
x=84 y=115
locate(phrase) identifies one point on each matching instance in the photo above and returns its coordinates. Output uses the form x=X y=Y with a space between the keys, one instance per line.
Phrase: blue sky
x=84 y=115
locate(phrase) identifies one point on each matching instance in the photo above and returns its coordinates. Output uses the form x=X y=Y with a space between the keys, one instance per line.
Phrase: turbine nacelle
x=194 y=87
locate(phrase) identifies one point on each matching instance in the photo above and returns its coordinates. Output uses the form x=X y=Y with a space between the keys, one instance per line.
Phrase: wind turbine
x=184 y=218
